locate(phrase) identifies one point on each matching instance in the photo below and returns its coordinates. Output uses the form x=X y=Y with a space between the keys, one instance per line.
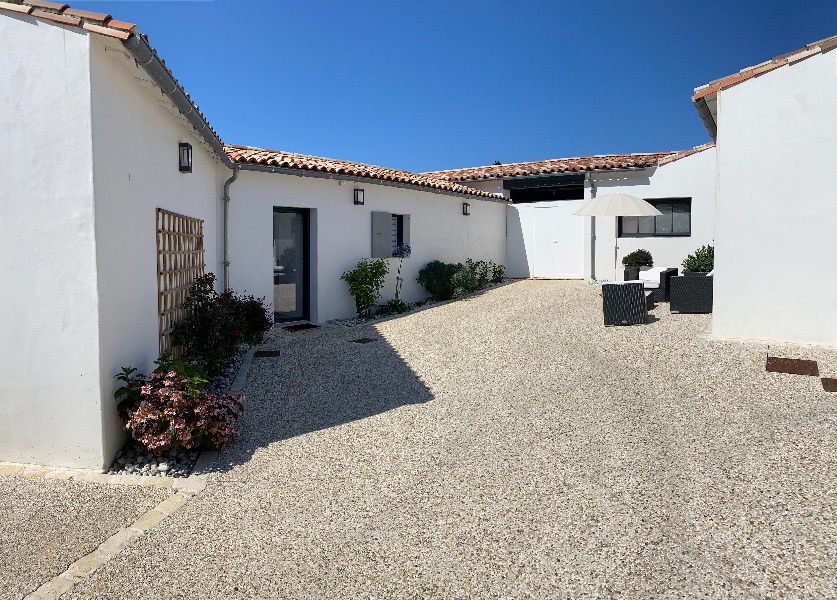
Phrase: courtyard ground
x=508 y=445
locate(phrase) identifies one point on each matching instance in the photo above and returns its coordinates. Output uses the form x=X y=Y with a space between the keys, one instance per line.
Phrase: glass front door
x=290 y=264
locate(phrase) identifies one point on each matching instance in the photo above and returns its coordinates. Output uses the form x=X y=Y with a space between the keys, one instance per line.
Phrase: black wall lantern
x=359 y=196
x=466 y=209
x=185 y=158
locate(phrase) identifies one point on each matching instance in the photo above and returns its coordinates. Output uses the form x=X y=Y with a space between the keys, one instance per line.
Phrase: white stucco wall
x=690 y=177
x=341 y=234
x=49 y=370
x=776 y=241
x=135 y=151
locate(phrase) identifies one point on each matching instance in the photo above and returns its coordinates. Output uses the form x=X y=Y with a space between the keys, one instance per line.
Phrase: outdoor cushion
x=651 y=273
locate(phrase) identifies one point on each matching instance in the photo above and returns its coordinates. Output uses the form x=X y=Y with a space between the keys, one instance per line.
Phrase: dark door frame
x=306 y=264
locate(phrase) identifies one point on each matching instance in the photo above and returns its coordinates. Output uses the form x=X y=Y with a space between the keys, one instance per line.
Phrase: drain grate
x=829 y=385
x=793 y=366
x=363 y=340
x=265 y=353
x=301 y=327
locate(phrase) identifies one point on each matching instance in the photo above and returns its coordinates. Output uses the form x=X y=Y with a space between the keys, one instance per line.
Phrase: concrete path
x=510 y=446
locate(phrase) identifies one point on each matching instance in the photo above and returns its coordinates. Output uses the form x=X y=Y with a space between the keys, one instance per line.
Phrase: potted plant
x=701 y=262
x=633 y=261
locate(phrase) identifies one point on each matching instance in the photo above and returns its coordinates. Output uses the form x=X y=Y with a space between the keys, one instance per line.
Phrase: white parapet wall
x=50 y=410
x=776 y=241
x=341 y=234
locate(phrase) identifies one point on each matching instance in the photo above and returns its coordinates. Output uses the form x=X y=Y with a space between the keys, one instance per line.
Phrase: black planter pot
x=631 y=273
x=694 y=273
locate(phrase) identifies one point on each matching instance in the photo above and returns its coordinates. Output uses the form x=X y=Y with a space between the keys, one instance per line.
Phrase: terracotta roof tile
x=59 y=12
x=304 y=162
x=57 y=6
x=755 y=70
x=87 y=14
x=58 y=18
x=123 y=25
x=20 y=8
x=115 y=33
x=553 y=166
x=684 y=153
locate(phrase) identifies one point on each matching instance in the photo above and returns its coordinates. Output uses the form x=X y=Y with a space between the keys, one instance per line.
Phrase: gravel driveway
x=510 y=446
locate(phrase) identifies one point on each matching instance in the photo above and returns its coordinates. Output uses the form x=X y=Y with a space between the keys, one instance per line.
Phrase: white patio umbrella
x=613 y=205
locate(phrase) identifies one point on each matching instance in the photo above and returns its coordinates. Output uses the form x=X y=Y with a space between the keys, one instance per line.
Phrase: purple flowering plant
x=401 y=251
x=171 y=409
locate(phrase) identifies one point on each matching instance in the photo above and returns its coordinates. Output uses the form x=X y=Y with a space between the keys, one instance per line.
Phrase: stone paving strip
x=111 y=547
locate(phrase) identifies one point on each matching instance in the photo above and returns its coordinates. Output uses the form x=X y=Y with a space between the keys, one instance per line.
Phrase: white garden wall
x=50 y=410
x=341 y=234
x=776 y=242
x=135 y=155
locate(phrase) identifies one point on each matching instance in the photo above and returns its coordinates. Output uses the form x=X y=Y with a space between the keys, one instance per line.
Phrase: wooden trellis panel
x=180 y=261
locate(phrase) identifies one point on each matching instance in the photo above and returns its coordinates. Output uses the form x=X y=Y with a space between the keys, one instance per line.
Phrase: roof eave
x=706 y=115
x=245 y=166
x=147 y=58
x=554 y=174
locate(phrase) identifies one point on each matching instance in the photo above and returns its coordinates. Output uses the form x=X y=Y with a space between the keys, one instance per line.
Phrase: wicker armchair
x=691 y=293
x=661 y=293
x=624 y=303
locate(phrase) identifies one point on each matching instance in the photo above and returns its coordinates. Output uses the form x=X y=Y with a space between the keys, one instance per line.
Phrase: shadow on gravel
x=321 y=379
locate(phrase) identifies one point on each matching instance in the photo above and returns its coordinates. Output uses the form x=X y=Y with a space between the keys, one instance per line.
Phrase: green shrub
x=498 y=272
x=638 y=258
x=436 y=277
x=702 y=261
x=454 y=280
x=216 y=324
x=396 y=306
x=486 y=272
x=365 y=283
x=464 y=281
x=481 y=272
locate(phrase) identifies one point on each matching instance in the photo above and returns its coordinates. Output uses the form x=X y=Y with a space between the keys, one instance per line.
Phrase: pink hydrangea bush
x=171 y=409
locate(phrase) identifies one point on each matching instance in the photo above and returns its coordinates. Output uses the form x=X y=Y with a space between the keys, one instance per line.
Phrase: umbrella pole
x=593 y=248
x=616 y=249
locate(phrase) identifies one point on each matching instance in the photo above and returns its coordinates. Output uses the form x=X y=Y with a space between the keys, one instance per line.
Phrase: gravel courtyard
x=511 y=446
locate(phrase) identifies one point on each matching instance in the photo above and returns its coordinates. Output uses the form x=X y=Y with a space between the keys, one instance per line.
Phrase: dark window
x=676 y=220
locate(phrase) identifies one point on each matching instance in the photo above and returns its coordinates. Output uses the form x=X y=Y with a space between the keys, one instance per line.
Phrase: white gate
x=558 y=246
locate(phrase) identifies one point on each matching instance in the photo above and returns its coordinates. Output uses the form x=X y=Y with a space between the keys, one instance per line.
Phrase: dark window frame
x=656 y=202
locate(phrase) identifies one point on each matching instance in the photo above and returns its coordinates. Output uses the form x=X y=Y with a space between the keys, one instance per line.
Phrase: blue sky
x=425 y=85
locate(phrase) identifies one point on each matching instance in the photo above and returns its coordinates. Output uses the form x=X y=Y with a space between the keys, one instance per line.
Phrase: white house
x=285 y=200
x=776 y=129
x=117 y=193
x=545 y=238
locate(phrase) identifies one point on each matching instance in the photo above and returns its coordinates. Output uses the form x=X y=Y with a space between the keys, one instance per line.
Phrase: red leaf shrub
x=171 y=409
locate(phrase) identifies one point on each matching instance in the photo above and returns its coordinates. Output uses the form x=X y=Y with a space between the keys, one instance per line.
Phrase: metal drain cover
x=794 y=366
